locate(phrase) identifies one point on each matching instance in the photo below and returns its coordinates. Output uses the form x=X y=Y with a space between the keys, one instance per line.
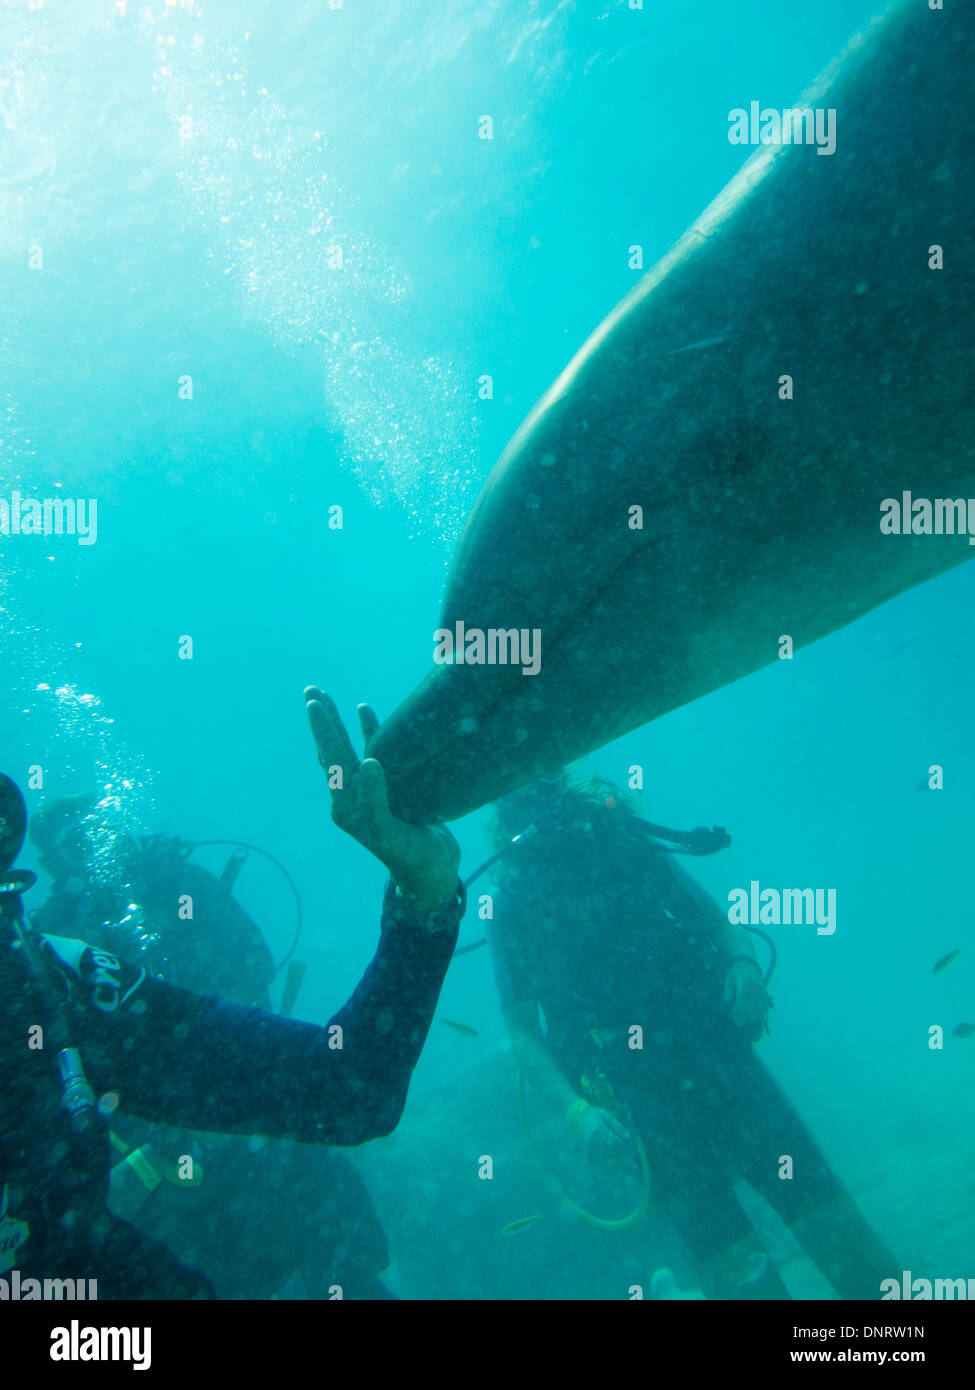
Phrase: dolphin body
x=761 y=515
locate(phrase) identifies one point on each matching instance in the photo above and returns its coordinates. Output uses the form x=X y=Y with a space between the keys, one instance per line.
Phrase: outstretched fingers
x=369 y=723
x=333 y=743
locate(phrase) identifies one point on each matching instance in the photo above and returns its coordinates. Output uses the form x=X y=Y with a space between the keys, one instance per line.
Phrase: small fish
x=464 y=1028
x=522 y=1224
x=756 y=1268
x=964 y=1030
x=945 y=960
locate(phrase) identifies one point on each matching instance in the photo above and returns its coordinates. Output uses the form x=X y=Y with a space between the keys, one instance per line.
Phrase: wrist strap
x=442 y=918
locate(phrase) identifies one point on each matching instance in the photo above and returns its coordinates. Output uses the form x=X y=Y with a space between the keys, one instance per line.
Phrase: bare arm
x=586 y=1126
x=534 y=1056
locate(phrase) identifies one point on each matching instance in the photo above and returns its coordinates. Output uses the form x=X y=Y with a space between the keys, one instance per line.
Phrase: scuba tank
x=231 y=871
x=137 y=930
x=697 y=842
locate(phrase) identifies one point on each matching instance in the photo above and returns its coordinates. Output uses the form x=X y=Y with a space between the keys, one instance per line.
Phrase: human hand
x=422 y=859
x=744 y=992
x=596 y=1133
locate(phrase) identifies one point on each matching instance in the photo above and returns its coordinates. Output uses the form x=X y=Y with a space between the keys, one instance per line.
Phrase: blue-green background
x=206 y=255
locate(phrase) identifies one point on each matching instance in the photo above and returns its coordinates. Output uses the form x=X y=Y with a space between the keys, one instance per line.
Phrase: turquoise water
x=187 y=173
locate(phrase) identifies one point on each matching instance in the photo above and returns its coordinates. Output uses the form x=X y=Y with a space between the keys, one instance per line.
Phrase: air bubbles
x=257 y=187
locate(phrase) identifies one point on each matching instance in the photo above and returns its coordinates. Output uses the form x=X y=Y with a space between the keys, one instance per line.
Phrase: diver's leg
x=363 y=1284
x=133 y=1265
x=813 y=1202
x=841 y=1242
x=700 y=1202
x=691 y=1184
x=678 y=1105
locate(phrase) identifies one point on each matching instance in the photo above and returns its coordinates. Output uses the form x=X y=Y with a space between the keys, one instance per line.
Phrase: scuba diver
x=597 y=929
x=263 y=1218
x=87 y=1034
x=237 y=1226
x=132 y=908
x=226 y=1203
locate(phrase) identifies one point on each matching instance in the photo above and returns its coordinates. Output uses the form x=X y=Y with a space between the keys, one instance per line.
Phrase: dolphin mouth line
x=499 y=687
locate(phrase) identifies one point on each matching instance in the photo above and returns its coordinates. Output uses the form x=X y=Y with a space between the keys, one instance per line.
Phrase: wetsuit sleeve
x=177 y=1058
x=510 y=935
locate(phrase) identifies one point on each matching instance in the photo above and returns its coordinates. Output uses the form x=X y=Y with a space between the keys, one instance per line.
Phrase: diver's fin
x=664 y=1287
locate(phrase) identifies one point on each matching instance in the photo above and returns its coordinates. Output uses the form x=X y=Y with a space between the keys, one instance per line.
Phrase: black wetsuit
x=163 y=1054
x=601 y=928
x=264 y=1218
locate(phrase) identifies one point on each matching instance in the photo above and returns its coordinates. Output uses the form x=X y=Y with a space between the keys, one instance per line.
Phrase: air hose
x=622 y=1223
x=190 y=845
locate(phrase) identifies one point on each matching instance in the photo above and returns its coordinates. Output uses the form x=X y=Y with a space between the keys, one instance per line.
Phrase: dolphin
x=707 y=476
